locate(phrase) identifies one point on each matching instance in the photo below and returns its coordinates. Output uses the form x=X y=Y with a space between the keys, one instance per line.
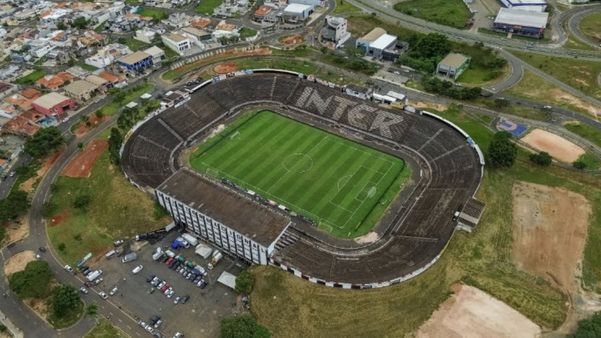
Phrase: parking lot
x=198 y=317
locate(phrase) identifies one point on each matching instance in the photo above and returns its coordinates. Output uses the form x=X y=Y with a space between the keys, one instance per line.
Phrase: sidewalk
x=15 y=331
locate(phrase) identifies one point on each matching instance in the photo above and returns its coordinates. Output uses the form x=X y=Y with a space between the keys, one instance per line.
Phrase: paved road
x=574 y=28
x=516 y=72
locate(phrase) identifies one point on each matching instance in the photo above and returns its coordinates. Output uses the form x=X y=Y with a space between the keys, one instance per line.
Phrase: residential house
x=158 y=55
x=81 y=90
x=197 y=36
x=53 y=104
x=135 y=62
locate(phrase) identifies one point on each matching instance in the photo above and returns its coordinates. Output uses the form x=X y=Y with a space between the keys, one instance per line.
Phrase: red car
x=169 y=260
x=165 y=287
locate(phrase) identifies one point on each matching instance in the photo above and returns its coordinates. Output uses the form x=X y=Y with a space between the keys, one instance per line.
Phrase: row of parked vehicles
x=187 y=269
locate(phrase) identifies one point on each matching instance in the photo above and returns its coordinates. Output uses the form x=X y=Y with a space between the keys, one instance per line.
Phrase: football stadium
x=278 y=168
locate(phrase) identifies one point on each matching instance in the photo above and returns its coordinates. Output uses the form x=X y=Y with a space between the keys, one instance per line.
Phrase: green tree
x=82 y=201
x=91 y=309
x=579 y=164
x=589 y=328
x=43 y=142
x=2 y=233
x=64 y=299
x=80 y=22
x=61 y=26
x=432 y=45
x=242 y=326
x=13 y=206
x=245 y=282
x=49 y=209
x=501 y=151
x=115 y=141
x=542 y=159
x=33 y=282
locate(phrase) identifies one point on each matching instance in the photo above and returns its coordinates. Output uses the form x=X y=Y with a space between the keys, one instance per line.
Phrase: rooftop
x=80 y=87
x=374 y=34
x=50 y=100
x=229 y=208
x=519 y=17
x=134 y=58
x=176 y=37
x=383 y=41
x=454 y=60
x=297 y=8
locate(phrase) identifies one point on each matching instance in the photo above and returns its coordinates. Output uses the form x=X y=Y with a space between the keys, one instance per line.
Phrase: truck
x=203 y=250
x=215 y=259
x=158 y=253
x=190 y=239
x=93 y=275
x=132 y=256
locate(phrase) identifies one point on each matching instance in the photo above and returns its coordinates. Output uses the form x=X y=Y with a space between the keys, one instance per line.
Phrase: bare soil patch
x=549 y=232
x=292 y=40
x=573 y=100
x=83 y=128
x=225 y=68
x=16 y=231
x=427 y=105
x=471 y=312
x=558 y=147
x=81 y=165
x=57 y=219
x=367 y=238
x=38 y=305
x=17 y=262
x=27 y=186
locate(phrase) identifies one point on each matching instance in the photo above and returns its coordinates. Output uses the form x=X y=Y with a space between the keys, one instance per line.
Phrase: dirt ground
x=471 y=312
x=367 y=238
x=82 y=129
x=17 y=231
x=292 y=40
x=27 y=186
x=38 y=305
x=549 y=232
x=225 y=68
x=425 y=105
x=81 y=165
x=57 y=219
x=573 y=100
x=18 y=261
x=558 y=147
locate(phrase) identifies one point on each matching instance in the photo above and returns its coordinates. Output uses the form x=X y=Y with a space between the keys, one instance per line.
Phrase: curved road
x=573 y=25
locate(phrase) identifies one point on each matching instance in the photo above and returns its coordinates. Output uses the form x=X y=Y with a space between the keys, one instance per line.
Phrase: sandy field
x=549 y=232
x=18 y=261
x=225 y=68
x=81 y=165
x=558 y=147
x=471 y=312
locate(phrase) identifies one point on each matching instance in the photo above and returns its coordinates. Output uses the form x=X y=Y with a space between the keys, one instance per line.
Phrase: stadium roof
x=383 y=41
x=519 y=17
x=259 y=223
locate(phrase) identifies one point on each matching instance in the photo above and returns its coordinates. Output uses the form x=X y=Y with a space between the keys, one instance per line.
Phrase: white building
x=526 y=5
x=297 y=12
x=306 y=2
x=222 y=216
x=336 y=30
x=376 y=42
x=177 y=43
x=158 y=55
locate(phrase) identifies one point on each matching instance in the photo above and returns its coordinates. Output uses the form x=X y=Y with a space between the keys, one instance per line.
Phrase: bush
x=115 y=141
x=2 y=233
x=64 y=299
x=82 y=201
x=501 y=151
x=589 y=328
x=242 y=326
x=62 y=247
x=13 y=206
x=33 y=282
x=581 y=165
x=43 y=142
x=49 y=209
x=542 y=159
x=245 y=282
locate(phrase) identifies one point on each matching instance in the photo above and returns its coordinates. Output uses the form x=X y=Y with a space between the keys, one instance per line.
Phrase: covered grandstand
x=447 y=169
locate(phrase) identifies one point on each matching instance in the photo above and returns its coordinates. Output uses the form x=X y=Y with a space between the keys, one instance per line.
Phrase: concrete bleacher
x=451 y=179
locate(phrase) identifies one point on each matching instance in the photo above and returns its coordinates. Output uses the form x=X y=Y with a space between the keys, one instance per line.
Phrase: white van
x=137 y=269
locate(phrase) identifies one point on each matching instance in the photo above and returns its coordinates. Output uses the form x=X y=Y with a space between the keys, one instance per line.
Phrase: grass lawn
x=116 y=210
x=590 y=25
x=68 y=319
x=452 y=13
x=132 y=95
x=327 y=178
x=590 y=133
x=104 y=329
x=155 y=13
x=592 y=162
x=133 y=44
x=536 y=88
x=285 y=303
x=518 y=110
x=31 y=77
x=574 y=43
x=247 y=32
x=579 y=74
x=207 y=6
x=344 y=7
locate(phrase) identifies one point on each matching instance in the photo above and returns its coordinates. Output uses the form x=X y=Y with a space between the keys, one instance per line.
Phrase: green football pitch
x=342 y=185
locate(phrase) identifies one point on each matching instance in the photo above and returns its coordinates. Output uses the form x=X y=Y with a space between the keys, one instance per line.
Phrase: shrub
x=33 y=282
x=245 y=282
x=542 y=159
x=501 y=151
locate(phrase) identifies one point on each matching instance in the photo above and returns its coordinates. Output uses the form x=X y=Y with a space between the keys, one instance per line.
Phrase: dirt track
x=558 y=147
x=549 y=232
x=471 y=312
x=81 y=165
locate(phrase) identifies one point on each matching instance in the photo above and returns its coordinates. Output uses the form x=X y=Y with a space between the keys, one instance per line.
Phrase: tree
x=13 y=206
x=61 y=26
x=80 y=22
x=115 y=141
x=589 y=328
x=33 y=282
x=245 y=282
x=242 y=326
x=2 y=233
x=432 y=45
x=64 y=299
x=501 y=151
x=43 y=142
x=82 y=201
x=91 y=309
x=542 y=158
x=578 y=164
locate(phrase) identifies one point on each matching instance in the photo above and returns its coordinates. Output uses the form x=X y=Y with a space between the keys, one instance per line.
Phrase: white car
x=114 y=291
x=137 y=269
x=103 y=295
x=69 y=268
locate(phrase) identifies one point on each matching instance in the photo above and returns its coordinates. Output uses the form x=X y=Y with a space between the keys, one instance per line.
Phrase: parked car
x=84 y=290
x=158 y=323
x=98 y=280
x=137 y=269
x=114 y=291
x=177 y=299
x=118 y=242
x=103 y=295
x=185 y=299
x=150 y=278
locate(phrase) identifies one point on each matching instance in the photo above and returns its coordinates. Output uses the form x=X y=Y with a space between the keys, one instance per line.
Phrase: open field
x=104 y=329
x=590 y=133
x=116 y=210
x=558 y=147
x=590 y=25
x=81 y=165
x=132 y=95
x=18 y=261
x=580 y=74
x=452 y=13
x=536 y=88
x=327 y=178
x=207 y=6
x=31 y=77
x=286 y=304
x=549 y=232
x=155 y=13
x=473 y=313
x=344 y=7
